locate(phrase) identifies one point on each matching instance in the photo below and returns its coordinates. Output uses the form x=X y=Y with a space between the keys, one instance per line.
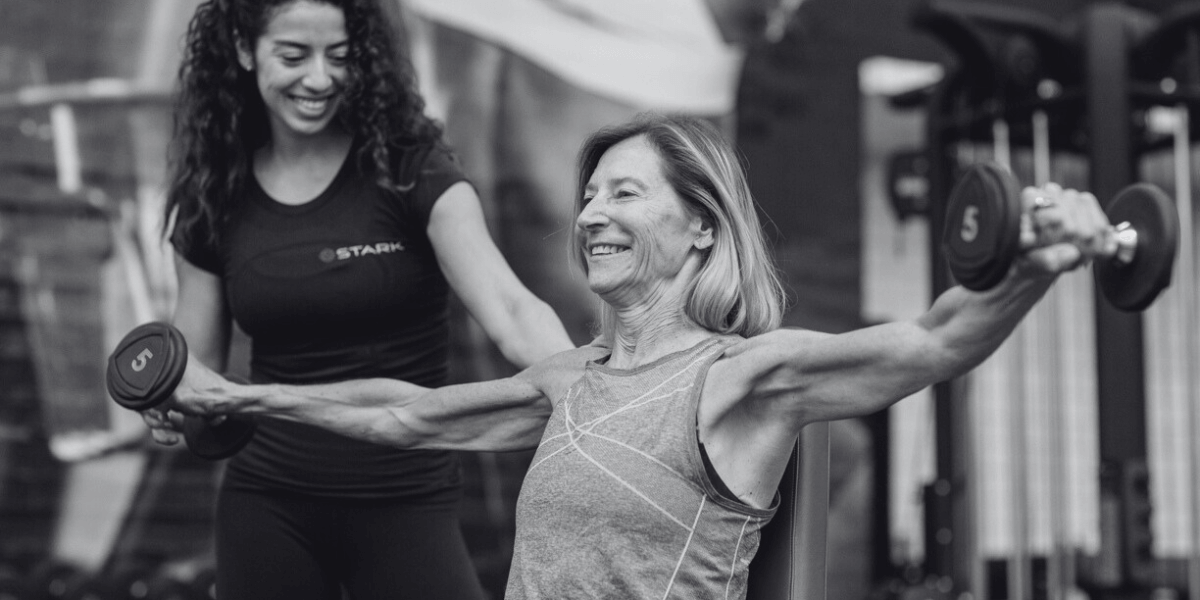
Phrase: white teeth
x=309 y=104
x=607 y=249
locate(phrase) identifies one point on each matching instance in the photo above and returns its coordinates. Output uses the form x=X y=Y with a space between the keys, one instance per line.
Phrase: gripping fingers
x=1032 y=200
x=165 y=427
x=1043 y=210
x=1053 y=215
x=1062 y=229
x=1057 y=258
x=1104 y=238
x=1085 y=225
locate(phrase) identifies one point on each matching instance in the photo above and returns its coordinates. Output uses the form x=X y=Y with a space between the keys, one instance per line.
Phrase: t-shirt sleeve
x=438 y=171
x=194 y=243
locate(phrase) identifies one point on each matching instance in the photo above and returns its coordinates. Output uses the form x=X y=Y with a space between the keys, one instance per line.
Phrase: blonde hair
x=738 y=290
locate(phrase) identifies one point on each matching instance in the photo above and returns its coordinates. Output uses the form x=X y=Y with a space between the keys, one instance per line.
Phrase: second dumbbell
x=143 y=372
x=983 y=230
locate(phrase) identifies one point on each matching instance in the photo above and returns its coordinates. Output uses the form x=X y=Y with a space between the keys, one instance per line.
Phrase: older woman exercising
x=663 y=444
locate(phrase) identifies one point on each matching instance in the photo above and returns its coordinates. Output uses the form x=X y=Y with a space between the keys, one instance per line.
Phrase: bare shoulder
x=555 y=374
x=759 y=366
x=761 y=351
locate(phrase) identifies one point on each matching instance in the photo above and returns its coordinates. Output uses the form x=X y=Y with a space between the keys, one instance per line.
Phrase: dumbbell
x=983 y=230
x=144 y=370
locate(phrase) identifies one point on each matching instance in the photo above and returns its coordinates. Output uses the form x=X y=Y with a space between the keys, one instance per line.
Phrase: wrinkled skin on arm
x=763 y=391
x=499 y=415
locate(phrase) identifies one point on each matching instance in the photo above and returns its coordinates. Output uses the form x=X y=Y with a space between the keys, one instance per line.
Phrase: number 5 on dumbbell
x=144 y=370
x=983 y=231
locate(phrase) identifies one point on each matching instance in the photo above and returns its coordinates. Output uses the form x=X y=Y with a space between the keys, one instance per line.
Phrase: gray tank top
x=617 y=502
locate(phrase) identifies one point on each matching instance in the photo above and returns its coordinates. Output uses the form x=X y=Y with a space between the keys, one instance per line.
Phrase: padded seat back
x=790 y=564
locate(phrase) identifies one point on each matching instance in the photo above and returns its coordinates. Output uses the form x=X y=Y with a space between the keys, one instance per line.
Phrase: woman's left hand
x=1062 y=229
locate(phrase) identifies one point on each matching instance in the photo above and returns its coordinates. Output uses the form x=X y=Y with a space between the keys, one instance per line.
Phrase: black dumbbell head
x=218 y=441
x=1150 y=212
x=146 y=366
x=983 y=226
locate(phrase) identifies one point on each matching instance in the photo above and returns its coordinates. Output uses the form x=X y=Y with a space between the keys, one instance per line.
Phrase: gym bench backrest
x=790 y=564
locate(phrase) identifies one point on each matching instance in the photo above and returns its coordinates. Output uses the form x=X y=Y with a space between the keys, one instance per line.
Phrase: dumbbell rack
x=1095 y=79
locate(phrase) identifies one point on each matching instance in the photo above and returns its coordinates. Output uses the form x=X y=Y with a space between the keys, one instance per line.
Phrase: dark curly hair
x=220 y=119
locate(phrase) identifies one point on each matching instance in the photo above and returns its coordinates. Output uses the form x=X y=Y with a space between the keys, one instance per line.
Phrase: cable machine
x=1083 y=88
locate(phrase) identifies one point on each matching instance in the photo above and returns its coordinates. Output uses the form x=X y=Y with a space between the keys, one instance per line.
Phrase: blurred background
x=1065 y=467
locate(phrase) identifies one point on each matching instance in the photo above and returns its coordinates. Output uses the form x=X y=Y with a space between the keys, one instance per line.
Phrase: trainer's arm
x=524 y=327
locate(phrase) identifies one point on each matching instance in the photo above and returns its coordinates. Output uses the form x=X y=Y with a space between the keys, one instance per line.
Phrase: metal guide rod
x=67 y=162
x=1186 y=276
x=1001 y=148
x=1019 y=587
x=939 y=558
x=1018 y=575
x=1188 y=280
x=1041 y=147
x=133 y=268
x=1058 y=575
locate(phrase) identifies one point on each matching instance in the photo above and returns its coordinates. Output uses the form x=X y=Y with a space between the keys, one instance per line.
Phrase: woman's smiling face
x=300 y=65
x=640 y=239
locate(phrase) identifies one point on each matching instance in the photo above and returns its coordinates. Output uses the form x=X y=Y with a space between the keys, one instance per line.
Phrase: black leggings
x=300 y=548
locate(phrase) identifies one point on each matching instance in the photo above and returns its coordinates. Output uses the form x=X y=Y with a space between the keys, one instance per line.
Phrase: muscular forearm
x=492 y=416
x=372 y=410
x=810 y=376
x=967 y=326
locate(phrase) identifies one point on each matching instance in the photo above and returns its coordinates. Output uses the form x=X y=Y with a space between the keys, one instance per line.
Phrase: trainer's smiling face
x=300 y=65
x=641 y=241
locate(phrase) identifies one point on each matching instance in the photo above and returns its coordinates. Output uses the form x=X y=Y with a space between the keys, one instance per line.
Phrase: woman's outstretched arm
x=498 y=415
x=804 y=376
x=763 y=391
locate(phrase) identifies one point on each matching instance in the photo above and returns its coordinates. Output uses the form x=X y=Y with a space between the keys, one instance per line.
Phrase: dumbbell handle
x=1127 y=240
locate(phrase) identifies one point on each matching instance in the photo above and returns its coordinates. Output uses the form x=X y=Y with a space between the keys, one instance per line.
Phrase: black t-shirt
x=345 y=286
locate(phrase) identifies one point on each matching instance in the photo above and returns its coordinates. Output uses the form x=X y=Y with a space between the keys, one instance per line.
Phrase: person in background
x=313 y=202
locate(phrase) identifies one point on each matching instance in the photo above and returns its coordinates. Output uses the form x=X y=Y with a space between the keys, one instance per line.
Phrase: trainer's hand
x=1062 y=230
